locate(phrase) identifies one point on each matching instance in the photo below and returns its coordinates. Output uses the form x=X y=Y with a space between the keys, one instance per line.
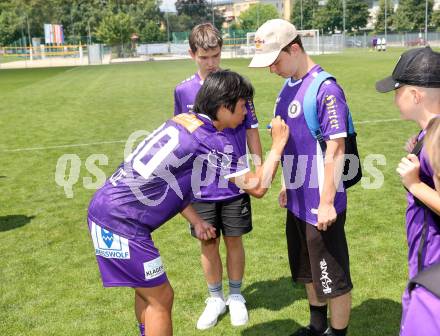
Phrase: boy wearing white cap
x=313 y=194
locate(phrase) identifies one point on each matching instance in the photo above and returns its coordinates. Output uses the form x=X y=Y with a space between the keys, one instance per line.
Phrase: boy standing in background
x=223 y=205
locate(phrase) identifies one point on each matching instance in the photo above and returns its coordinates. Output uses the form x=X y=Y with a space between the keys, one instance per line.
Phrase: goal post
x=311 y=41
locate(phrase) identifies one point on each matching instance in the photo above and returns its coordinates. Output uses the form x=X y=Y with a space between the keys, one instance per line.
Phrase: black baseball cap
x=418 y=67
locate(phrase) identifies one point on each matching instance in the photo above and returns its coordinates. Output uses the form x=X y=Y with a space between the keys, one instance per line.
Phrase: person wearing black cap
x=416 y=83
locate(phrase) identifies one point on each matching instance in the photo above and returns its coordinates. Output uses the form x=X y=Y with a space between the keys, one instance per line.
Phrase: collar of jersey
x=316 y=68
x=204 y=116
x=206 y=120
x=291 y=84
x=199 y=79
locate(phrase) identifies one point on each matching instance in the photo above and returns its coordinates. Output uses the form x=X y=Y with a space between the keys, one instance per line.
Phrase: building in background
x=232 y=9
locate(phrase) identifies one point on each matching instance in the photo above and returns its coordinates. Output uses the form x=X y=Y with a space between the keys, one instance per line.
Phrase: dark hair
x=296 y=40
x=204 y=36
x=222 y=88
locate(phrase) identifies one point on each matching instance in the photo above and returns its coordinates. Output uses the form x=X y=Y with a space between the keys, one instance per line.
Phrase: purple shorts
x=126 y=262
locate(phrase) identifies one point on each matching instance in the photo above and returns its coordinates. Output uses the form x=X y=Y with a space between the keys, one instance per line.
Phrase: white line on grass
x=63 y=146
x=121 y=141
x=376 y=121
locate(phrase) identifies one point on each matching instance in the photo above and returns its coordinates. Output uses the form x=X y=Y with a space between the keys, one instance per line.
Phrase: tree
x=147 y=18
x=81 y=18
x=435 y=20
x=356 y=14
x=180 y=23
x=309 y=7
x=103 y=20
x=199 y=12
x=329 y=17
x=256 y=15
x=10 y=24
x=410 y=15
x=379 y=22
x=116 y=29
x=151 y=32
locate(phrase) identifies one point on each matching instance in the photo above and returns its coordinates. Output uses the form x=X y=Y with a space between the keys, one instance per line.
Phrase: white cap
x=270 y=38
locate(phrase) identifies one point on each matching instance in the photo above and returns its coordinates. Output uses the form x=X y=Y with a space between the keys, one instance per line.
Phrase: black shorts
x=319 y=257
x=232 y=218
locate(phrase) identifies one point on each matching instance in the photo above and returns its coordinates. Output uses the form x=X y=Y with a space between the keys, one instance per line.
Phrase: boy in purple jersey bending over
x=223 y=205
x=159 y=179
x=314 y=196
x=416 y=83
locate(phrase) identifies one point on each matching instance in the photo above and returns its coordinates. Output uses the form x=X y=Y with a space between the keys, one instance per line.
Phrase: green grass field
x=49 y=280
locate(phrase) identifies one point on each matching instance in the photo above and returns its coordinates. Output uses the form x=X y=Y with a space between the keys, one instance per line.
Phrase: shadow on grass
x=375 y=317
x=273 y=294
x=272 y=328
x=12 y=222
x=379 y=317
x=2 y=176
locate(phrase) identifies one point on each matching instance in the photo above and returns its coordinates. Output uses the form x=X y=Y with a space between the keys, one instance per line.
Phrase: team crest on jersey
x=294 y=109
x=153 y=269
x=109 y=245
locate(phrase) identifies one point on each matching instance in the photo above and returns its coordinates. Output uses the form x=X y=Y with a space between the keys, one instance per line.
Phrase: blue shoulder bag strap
x=311 y=111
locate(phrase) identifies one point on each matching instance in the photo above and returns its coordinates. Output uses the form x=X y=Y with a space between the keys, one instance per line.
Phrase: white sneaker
x=237 y=310
x=214 y=308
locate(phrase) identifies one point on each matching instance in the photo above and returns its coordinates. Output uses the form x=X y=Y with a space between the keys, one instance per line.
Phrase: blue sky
x=168 y=6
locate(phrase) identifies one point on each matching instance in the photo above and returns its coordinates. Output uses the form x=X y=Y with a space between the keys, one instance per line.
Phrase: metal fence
x=53 y=55
x=394 y=40
x=233 y=47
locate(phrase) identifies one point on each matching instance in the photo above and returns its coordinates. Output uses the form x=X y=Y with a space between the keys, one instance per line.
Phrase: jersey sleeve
x=177 y=103
x=332 y=111
x=250 y=120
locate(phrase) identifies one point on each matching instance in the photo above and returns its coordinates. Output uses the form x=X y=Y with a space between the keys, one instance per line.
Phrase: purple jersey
x=303 y=163
x=422 y=314
x=159 y=178
x=415 y=219
x=184 y=98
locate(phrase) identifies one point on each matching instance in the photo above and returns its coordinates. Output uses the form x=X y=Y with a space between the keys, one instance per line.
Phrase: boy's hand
x=326 y=215
x=408 y=169
x=204 y=231
x=411 y=143
x=280 y=133
x=282 y=198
